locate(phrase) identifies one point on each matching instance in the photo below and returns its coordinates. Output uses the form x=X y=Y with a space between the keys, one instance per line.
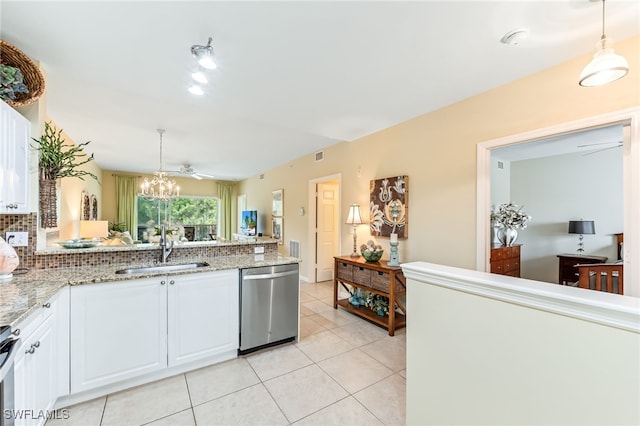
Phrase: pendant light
x=606 y=66
x=160 y=187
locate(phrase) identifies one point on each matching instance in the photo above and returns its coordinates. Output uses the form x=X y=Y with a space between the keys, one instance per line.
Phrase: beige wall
x=437 y=151
x=70 y=194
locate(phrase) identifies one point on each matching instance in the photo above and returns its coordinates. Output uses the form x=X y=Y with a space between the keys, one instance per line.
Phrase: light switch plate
x=258 y=250
x=17 y=239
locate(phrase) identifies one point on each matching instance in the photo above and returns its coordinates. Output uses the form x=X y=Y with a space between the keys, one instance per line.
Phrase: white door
x=326 y=230
x=203 y=316
x=118 y=331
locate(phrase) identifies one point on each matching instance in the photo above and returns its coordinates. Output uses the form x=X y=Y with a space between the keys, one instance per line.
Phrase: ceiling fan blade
x=619 y=143
x=600 y=150
x=196 y=176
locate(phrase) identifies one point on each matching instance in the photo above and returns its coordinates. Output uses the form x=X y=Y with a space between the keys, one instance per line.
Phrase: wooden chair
x=607 y=277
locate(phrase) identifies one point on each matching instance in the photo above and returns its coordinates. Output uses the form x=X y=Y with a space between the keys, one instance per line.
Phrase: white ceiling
x=292 y=77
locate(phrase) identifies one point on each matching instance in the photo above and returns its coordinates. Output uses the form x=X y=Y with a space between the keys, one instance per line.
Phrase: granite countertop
x=154 y=246
x=25 y=292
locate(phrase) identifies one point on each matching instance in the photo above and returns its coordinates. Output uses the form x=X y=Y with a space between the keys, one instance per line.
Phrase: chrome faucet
x=166 y=251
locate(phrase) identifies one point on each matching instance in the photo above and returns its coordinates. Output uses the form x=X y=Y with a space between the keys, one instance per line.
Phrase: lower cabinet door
x=34 y=377
x=203 y=315
x=118 y=331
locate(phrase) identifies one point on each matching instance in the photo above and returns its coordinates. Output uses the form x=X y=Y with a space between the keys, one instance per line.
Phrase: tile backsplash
x=22 y=223
x=29 y=259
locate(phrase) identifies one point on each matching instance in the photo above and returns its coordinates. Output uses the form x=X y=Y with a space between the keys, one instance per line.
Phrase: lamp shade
x=582 y=227
x=605 y=67
x=94 y=228
x=354 y=217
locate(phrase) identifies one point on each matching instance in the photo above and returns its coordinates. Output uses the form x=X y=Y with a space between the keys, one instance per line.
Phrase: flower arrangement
x=510 y=216
x=173 y=232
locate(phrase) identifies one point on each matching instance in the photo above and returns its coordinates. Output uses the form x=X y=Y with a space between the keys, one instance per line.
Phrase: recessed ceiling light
x=199 y=77
x=196 y=90
x=514 y=37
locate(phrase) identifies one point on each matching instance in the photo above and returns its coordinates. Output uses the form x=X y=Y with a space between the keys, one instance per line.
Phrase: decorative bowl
x=372 y=256
x=75 y=244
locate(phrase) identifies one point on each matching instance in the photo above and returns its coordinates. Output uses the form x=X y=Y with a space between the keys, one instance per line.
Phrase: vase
x=507 y=236
x=48 y=203
x=9 y=260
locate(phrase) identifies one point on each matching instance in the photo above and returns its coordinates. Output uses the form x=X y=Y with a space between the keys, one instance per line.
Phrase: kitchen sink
x=162 y=268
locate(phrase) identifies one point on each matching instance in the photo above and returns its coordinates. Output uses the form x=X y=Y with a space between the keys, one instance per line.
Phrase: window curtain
x=126 y=206
x=225 y=193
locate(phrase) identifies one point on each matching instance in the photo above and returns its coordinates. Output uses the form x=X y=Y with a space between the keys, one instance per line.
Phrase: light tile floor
x=343 y=371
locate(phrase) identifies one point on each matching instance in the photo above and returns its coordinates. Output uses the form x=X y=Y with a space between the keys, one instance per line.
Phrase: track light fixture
x=204 y=55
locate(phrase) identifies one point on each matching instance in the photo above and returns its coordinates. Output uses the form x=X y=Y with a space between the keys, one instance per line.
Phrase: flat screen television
x=249 y=225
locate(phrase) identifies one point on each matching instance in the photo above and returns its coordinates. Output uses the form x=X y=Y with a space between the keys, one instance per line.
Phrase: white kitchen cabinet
x=14 y=161
x=118 y=331
x=127 y=329
x=40 y=361
x=203 y=315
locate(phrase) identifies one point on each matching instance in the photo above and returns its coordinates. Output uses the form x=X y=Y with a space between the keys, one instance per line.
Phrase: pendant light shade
x=606 y=66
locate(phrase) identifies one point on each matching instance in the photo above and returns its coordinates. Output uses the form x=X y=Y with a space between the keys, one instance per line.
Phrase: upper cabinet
x=14 y=161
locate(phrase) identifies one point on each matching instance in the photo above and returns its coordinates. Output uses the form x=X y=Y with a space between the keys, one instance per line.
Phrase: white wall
x=554 y=190
x=487 y=349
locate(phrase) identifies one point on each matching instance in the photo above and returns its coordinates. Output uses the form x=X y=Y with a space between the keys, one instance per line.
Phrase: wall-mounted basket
x=33 y=77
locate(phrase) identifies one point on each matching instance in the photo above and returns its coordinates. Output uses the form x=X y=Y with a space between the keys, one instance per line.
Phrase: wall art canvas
x=389 y=206
x=277 y=202
x=277 y=229
x=94 y=207
x=85 y=206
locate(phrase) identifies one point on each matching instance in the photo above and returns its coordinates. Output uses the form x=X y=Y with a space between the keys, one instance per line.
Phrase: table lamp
x=581 y=227
x=354 y=218
x=94 y=229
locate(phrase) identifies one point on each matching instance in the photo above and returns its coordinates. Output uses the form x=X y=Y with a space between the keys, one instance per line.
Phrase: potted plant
x=57 y=160
x=11 y=82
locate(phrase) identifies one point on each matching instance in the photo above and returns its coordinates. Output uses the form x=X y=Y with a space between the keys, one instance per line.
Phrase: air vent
x=294 y=248
x=319 y=156
x=262 y=176
x=500 y=165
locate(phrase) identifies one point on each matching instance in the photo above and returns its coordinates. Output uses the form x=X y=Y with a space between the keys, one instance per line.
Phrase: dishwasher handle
x=268 y=276
x=8 y=349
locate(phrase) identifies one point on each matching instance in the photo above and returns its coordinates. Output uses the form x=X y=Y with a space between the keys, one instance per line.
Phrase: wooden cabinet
x=506 y=260
x=39 y=362
x=567 y=271
x=377 y=277
x=127 y=329
x=14 y=161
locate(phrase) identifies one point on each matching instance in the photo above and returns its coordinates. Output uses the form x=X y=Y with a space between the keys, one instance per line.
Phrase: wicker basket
x=33 y=77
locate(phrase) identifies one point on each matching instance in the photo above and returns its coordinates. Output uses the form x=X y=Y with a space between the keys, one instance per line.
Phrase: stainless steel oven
x=8 y=348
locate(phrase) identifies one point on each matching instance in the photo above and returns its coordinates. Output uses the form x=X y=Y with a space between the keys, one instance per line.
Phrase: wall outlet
x=17 y=239
x=258 y=250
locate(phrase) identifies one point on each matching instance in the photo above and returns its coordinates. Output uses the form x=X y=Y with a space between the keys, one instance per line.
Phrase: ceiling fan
x=610 y=145
x=188 y=171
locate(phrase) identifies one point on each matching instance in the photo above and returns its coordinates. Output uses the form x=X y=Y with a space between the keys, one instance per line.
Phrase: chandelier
x=160 y=187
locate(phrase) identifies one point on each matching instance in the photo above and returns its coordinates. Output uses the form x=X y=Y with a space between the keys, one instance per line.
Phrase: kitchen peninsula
x=86 y=330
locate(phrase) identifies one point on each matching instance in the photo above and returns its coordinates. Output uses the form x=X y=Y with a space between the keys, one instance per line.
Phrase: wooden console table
x=377 y=277
x=567 y=271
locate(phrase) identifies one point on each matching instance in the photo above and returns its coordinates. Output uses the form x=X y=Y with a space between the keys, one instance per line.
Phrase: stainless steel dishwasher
x=268 y=306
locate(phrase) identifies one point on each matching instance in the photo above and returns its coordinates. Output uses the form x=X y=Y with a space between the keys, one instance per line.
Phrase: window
x=198 y=215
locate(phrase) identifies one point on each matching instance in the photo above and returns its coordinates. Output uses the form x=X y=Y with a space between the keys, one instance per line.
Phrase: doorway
x=324 y=226
x=630 y=121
